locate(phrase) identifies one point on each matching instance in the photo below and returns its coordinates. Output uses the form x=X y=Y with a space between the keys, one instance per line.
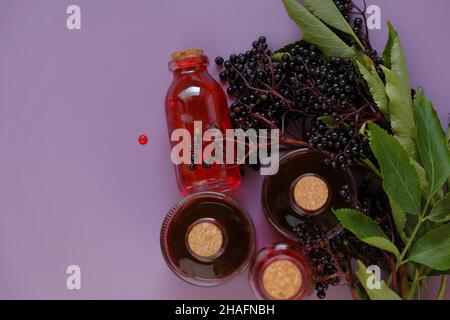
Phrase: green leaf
x=401 y=114
x=362 y=58
x=400 y=180
x=398 y=89
x=365 y=229
x=376 y=87
x=316 y=32
x=441 y=211
x=435 y=273
x=400 y=219
x=363 y=128
x=327 y=11
x=360 y=292
x=448 y=135
x=424 y=185
x=327 y=120
x=388 y=49
x=431 y=143
x=395 y=60
x=433 y=249
x=384 y=293
x=448 y=142
x=278 y=56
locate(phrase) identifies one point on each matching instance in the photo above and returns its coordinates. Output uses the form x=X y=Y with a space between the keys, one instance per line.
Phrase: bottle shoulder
x=194 y=84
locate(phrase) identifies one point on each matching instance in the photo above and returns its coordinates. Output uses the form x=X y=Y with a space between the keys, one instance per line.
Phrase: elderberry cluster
x=345 y=194
x=331 y=259
x=360 y=29
x=299 y=84
x=378 y=62
x=250 y=76
x=344 y=146
x=346 y=8
x=316 y=247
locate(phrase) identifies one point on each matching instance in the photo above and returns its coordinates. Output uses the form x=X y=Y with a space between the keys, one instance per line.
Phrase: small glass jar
x=281 y=272
x=207 y=239
x=195 y=102
x=306 y=189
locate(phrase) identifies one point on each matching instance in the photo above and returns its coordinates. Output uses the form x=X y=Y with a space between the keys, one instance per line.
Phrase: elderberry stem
x=421 y=220
x=414 y=286
x=401 y=260
x=293 y=142
x=442 y=288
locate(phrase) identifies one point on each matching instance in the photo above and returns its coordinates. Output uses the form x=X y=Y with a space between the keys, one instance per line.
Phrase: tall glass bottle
x=195 y=96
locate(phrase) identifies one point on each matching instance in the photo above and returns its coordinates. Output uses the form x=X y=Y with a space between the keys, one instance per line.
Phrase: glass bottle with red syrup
x=194 y=95
x=288 y=254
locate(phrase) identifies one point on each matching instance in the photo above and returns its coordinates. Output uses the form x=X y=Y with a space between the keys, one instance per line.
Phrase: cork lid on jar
x=205 y=239
x=282 y=279
x=187 y=53
x=281 y=272
x=310 y=192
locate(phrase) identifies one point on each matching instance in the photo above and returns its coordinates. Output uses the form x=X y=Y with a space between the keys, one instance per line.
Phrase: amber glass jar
x=305 y=188
x=207 y=239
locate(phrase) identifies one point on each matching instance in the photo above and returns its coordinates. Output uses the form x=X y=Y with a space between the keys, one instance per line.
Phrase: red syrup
x=195 y=96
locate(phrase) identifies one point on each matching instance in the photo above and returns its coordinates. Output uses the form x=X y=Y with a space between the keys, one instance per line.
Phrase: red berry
x=143 y=139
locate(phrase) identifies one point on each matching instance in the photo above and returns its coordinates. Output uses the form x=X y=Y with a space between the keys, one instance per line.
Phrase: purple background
x=76 y=187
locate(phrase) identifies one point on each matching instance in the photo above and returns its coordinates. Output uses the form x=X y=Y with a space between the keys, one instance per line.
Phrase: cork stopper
x=188 y=53
x=282 y=280
x=311 y=193
x=205 y=239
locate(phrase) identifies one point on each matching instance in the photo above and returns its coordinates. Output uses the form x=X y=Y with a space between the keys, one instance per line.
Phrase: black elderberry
x=223 y=75
x=302 y=241
x=286 y=57
x=219 y=61
x=321 y=294
x=358 y=22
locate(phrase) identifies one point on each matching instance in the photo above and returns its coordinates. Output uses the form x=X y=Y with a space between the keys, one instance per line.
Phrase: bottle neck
x=189 y=65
